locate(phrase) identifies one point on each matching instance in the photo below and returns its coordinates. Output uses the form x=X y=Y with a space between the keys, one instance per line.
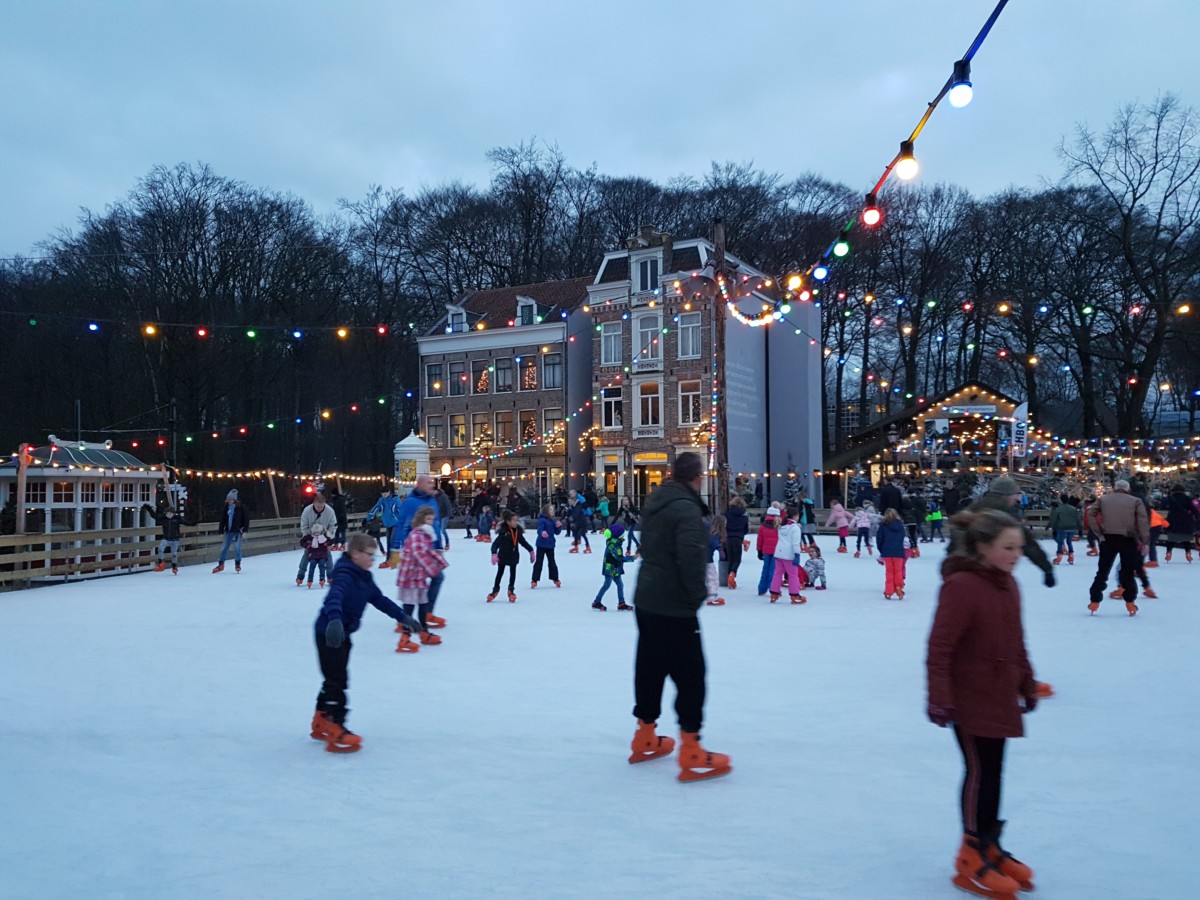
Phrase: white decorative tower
x=412 y=459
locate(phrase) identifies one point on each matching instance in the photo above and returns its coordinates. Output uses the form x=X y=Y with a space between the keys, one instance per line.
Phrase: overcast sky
x=323 y=98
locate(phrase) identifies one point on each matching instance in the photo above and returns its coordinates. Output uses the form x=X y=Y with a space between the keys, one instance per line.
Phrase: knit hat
x=616 y=529
x=232 y=495
x=773 y=511
x=318 y=528
x=1003 y=485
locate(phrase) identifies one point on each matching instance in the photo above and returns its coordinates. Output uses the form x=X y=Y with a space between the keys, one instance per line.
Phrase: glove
x=1049 y=579
x=760 y=556
x=335 y=633
x=532 y=556
x=796 y=560
x=495 y=559
x=941 y=716
x=1031 y=702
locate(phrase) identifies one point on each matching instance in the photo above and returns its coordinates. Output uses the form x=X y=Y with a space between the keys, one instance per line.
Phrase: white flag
x=1020 y=429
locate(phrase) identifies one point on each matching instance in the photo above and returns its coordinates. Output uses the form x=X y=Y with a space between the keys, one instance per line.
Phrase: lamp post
x=893 y=437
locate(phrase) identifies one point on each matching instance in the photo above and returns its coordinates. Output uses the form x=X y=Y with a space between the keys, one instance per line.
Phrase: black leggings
x=984 y=759
x=544 y=555
x=512 y=577
x=669 y=646
x=335 y=667
x=422 y=611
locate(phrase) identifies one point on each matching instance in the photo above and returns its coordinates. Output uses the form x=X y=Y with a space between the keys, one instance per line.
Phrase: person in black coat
x=235 y=521
x=505 y=554
x=737 y=526
x=169 y=536
x=338 y=502
x=890 y=498
x=951 y=500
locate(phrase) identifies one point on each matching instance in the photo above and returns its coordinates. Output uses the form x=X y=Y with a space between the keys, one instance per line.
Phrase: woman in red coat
x=980 y=681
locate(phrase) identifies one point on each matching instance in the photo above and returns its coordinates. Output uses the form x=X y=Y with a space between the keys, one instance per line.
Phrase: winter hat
x=616 y=529
x=1003 y=485
x=773 y=511
x=318 y=529
x=232 y=495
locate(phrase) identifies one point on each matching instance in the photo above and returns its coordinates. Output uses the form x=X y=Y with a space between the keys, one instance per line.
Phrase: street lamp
x=893 y=437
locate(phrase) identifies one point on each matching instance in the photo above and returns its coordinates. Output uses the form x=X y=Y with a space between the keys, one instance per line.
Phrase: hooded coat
x=976 y=661
x=670 y=579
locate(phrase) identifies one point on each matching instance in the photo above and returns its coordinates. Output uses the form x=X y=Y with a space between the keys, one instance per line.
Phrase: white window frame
x=503 y=364
x=537 y=374
x=438 y=441
x=498 y=436
x=639 y=418
x=699 y=393
x=615 y=404
x=522 y=306
x=457 y=321
x=612 y=333
x=457 y=380
x=546 y=385
x=475 y=380
x=441 y=380
x=450 y=431
x=648 y=273
x=691 y=326
x=655 y=338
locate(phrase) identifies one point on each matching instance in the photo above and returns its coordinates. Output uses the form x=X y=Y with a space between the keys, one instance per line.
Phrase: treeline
x=1072 y=292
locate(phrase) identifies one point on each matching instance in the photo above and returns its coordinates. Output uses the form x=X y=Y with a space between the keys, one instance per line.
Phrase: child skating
x=716 y=553
x=316 y=547
x=419 y=563
x=484 y=524
x=840 y=519
x=814 y=568
x=893 y=553
x=169 y=537
x=506 y=555
x=862 y=527
x=787 y=559
x=547 y=528
x=981 y=682
x=613 y=568
x=765 y=541
x=351 y=589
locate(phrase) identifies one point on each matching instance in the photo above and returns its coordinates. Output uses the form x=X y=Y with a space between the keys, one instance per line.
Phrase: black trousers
x=669 y=646
x=733 y=554
x=421 y=609
x=512 y=577
x=1112 y=547
x=335 y=666
x=546 y=554
x=984 y=759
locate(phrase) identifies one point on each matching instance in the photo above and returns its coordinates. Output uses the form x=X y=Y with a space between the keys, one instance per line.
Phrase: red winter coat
x=420 y=561
x=768 y=536
x=976 y=661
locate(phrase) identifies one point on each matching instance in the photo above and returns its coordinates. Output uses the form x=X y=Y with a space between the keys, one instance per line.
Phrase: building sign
x=1020 y=429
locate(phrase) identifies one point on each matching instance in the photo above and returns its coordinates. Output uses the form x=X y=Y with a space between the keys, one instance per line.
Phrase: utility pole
x=173 y=458
x=719 y=495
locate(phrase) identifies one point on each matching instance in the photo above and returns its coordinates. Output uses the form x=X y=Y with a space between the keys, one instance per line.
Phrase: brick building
x=652 y=365
x=500 y=375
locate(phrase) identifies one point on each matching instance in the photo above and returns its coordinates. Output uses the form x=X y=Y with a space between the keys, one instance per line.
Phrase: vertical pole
x=22 y=465
x=718 y=499
x=79 y=421
x=274 y=497
x=173 y=458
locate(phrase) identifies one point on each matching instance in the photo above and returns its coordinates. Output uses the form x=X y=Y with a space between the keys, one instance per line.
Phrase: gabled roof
x=496 y=306
x=65 y=455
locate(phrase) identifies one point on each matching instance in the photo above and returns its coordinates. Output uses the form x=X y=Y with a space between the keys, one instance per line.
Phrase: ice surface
x=155 y=744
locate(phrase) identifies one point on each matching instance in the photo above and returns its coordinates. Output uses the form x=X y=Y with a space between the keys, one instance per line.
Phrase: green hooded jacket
x=674 y=550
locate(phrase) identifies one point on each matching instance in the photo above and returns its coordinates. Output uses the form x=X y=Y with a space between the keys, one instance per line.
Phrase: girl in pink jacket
x=417 y=565
x=840 y=519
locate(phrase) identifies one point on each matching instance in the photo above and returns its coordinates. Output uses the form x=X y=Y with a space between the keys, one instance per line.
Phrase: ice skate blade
x=964 y=885
x=350 y=748
x=689 y=775
x=646 y=755
x=720 y=601
x=408 y=648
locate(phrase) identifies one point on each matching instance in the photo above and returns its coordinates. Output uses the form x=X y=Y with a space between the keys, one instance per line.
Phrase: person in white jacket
x=316 y=513
x=787 y=559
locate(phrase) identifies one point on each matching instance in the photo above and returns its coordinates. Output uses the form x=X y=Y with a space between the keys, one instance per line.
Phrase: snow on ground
x=155 y=744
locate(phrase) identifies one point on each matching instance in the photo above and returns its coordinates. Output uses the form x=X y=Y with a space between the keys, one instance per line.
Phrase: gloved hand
x=1031 y=702
x=495 y=559
x=796 y=560
x=532 y=556
x=941 y=716
x=760 y=556
x=335 y=633
x=1048 y=578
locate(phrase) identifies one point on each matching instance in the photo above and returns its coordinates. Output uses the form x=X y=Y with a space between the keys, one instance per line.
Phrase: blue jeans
x=1063 y=538
x=768 y=572
x=435 y=587
x=609 y=579
x=173 y=546
x=632 y=540
x=317 y=564
x=234 y=538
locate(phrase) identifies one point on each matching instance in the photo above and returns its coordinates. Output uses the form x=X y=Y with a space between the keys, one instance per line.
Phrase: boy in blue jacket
x=351 y=589
x=613 y=568
x=547 y=528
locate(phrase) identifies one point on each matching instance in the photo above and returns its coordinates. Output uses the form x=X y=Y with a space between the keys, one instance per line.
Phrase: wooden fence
x=28 y=559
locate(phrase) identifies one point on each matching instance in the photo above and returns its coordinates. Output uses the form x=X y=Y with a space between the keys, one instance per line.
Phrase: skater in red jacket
x=980 y=681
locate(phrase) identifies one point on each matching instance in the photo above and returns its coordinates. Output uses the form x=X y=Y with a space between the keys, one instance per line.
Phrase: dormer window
x=526 y=312
x=456 y=322
x=648 y=274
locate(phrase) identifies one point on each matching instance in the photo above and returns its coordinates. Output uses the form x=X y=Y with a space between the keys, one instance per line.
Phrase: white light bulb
x=960 y=95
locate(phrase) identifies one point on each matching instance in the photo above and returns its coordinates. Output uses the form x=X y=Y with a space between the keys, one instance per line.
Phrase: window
x=481 y=377
x=689 y=335
x=87 y=492
x=35 y=492
x=127 y=493
x=64 y=492
x=648 y=331
x=527 y=313
x=504 y=428
x=108 y=493
x=435 y=432
x=552 y=370
x=649 y=412
x=145 y=492
x=689 y=403
x=648 y=272
x=529 y=426
x=610 y=344
x=504 y=376
x=529 y=373
x=611 y=413
x=481 y=431
x=552 y=424
x=457 y=322
x=433 y=380
x=458 y=430
x=456 y=374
